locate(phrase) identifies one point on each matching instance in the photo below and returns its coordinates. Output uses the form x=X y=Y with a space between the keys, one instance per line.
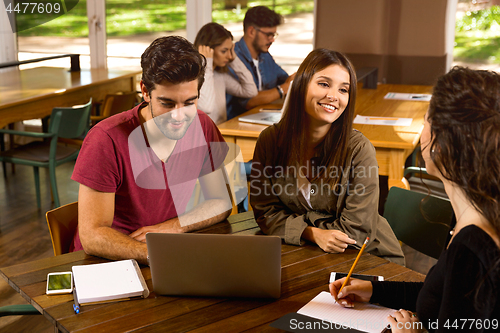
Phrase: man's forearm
x=204 y=215
x=263 y=97
x=111 y=244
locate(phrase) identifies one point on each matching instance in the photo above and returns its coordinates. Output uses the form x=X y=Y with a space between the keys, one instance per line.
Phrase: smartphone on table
x=59 y=283
x=335 y=276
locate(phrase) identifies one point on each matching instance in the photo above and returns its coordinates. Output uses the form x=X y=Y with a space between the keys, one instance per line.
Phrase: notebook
x=109 y=281
x=364 y=317
x=194 y=264
x=268 y=117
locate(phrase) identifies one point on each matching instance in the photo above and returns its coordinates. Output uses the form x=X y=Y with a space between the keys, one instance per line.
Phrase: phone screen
x=335 y=276
x=59 y=281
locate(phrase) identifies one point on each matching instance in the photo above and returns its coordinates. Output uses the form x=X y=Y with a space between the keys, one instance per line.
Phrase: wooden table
x=393 y=143
x=32 y=93
x=305 y=273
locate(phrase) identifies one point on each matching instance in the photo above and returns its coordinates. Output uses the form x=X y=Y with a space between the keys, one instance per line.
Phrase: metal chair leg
x=53 y=185
x=36 y=172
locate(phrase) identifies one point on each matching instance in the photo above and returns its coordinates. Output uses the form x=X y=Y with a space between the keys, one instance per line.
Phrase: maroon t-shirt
x=115 y=157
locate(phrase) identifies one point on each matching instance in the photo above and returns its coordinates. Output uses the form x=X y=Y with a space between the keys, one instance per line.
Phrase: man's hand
x=207 y=51
x=171 y=226
x=328 y=240
x=355 y=291
x=285 y=85
x=269 y=95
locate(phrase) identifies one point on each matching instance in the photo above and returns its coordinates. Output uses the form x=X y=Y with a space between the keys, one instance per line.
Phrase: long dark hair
x=464 y=117
x=213 y=34
x=293 y=130
x=464 y=114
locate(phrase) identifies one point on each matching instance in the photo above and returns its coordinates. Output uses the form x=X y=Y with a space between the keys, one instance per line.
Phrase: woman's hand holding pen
x=355 y=291
x=207 y=51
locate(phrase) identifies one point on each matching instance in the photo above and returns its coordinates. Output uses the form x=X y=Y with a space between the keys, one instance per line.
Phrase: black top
x=461 y=292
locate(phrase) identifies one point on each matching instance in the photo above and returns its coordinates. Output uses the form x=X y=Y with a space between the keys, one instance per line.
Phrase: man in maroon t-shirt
x=138 y=169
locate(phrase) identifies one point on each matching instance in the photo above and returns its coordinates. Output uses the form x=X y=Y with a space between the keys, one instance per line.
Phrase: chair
x=419 y=220
x=420 y=181
x=115 y=103
x=65 y=123
x=18 y=310
x=112 y=104
x=62 y=223
x=2 y=148
x=417 y=179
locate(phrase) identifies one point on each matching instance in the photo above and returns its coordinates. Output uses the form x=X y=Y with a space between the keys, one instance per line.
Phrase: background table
x=32 y=93
x=305 y=272
x=392 y=143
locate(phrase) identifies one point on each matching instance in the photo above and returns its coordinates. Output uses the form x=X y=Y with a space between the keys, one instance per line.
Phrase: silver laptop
x=268 y=117
x=215 y=265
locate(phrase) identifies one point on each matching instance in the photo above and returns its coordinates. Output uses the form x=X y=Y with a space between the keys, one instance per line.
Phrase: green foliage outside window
x=133 y=17
x=477 y=32
x=477 y=36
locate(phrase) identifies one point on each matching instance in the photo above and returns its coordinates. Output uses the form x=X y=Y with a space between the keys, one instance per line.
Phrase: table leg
x=396 y=168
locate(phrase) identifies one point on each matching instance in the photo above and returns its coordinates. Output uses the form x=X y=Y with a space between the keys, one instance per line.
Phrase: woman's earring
x=432 y=151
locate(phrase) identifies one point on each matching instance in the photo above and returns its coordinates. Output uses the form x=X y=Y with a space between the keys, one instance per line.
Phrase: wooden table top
x=305 y=273
x=19 y=86
x=370 y=102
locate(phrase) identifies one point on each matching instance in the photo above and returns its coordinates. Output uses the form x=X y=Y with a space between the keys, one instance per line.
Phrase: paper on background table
x=108 y=281
x=365 y=317
x=387 y=121
x=408 y=97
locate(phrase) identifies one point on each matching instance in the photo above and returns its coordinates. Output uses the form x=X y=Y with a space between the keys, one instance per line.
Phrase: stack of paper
x=409 y=97
x=109 y=281
x=388 y=121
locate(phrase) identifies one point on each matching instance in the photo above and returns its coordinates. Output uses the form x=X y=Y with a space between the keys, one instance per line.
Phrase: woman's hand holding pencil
x=357 y=290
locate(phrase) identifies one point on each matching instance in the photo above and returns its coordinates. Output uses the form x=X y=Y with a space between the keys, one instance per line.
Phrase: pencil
x=354 y=265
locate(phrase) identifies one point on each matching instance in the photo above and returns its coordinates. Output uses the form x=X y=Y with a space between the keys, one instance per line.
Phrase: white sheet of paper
x=408 y=97
x=387 y=121
x=365 y=317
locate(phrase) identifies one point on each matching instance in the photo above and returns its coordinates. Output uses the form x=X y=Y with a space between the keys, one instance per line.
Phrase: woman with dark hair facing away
x=216 y=43
x=313 y=177
x=460 y=145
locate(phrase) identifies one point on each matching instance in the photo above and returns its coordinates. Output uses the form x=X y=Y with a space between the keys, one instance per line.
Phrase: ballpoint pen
x=76 y=306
